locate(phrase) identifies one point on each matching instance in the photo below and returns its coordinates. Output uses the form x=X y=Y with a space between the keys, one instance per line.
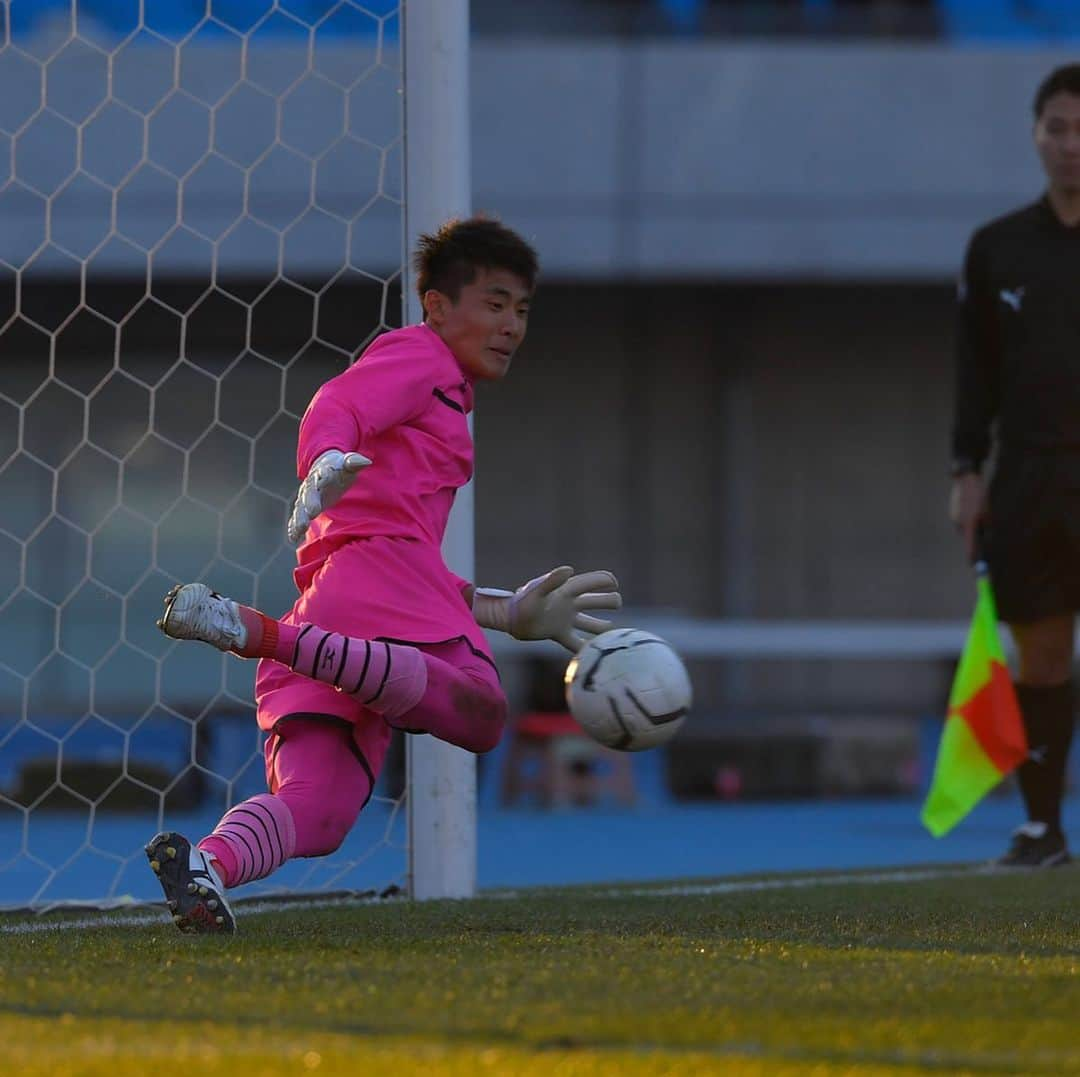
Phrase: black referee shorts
x=1033 y=537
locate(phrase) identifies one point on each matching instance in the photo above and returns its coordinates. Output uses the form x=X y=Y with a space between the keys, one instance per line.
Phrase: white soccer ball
x=628 y=689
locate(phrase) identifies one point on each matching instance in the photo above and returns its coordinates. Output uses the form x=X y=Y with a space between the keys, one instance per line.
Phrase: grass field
x=963 y=973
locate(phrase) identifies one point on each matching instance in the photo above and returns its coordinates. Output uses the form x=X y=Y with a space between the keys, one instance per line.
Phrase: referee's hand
x=967 y=509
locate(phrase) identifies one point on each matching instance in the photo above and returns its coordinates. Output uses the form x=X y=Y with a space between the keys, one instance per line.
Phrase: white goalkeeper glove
x=550 y=607
x=330 y=476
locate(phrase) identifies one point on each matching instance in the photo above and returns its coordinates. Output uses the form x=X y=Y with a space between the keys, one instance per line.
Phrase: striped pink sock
x=390 y=678
x=252 y=840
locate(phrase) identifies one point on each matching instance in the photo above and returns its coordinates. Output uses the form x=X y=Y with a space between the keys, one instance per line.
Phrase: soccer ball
x=628 y=689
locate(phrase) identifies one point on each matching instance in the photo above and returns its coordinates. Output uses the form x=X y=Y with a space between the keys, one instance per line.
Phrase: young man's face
x=1057 y=138
x=487 y=323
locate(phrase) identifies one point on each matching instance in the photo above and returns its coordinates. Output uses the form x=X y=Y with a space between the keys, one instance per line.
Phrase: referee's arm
x=977 y=366
x=976 y=399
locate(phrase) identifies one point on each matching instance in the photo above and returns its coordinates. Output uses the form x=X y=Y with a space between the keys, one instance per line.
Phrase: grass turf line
x=975 y=974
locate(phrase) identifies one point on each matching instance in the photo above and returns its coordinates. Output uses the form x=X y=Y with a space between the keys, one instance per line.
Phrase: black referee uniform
x=1018 y=381
x=1018 y=389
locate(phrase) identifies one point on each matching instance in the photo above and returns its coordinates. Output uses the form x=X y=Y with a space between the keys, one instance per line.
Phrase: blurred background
x=735 y=393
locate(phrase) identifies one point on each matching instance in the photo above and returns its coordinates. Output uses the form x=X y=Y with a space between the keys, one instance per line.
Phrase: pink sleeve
x=348 y=412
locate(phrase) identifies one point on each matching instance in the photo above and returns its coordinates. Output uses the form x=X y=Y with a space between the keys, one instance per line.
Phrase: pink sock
x=411 y=690
x=252 y=840
x=262 y=633
x=390 y=678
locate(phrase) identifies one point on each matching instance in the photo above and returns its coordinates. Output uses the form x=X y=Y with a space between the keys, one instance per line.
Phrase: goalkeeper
x=383 y=636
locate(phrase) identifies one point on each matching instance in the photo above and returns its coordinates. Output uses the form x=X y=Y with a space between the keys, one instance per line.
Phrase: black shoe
x=1035 y=845
x=193 y=892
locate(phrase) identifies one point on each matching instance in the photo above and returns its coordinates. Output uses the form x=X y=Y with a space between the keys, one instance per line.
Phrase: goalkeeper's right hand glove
x=330 y=476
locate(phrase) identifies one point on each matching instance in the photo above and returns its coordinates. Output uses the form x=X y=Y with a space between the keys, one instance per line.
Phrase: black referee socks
x=1048 y=719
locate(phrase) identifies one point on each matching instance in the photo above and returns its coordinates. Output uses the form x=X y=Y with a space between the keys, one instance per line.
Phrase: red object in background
x=547 y=724
x=551 y=757
x=728 y=783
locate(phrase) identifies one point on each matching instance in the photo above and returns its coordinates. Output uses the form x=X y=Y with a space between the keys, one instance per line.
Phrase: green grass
x=976 y=974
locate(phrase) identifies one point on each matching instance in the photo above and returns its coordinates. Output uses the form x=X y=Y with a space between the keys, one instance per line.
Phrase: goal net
x=200 y=221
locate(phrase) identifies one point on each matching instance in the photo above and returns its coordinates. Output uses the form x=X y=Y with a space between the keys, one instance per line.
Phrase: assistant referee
x=1018 y=394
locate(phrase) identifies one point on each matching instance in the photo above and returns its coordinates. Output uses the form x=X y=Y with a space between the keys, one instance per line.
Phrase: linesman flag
x=983 y=738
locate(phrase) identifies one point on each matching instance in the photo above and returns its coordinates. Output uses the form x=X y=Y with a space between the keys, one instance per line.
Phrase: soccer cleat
x=194 y=893
x=193 y=611
x=1034 y=845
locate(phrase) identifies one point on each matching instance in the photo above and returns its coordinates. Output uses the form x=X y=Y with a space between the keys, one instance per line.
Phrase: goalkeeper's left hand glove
x=551 y=607
x=330 y=476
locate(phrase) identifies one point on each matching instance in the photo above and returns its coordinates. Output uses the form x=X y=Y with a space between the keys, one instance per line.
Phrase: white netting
x=200 y=221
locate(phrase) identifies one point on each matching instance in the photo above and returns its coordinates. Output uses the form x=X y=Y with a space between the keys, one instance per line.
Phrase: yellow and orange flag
x=983 y=738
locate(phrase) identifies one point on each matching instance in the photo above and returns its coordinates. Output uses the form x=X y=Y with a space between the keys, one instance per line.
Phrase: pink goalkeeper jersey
x=404 y=404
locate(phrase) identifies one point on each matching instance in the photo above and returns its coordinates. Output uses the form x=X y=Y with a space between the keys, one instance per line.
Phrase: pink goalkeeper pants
x=322 y=762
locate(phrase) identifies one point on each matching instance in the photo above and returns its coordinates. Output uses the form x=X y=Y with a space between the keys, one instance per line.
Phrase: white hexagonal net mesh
x=200 y=221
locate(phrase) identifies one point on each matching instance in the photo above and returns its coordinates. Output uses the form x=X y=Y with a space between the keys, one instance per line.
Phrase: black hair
x=1066 y=78
x=448 y=259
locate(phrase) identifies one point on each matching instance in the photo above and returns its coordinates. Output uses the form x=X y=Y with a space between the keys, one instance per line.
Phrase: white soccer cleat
x=193 y=611
x=194 y=893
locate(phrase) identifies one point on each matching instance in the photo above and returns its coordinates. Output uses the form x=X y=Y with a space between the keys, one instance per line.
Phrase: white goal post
x=441 y=778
